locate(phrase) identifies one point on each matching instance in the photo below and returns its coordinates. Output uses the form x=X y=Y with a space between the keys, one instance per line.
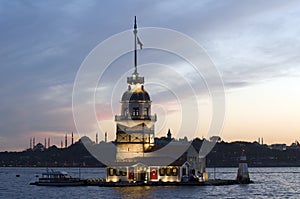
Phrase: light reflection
x=135 y=192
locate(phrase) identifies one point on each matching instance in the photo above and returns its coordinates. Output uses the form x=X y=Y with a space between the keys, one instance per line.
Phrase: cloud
x=43 y=44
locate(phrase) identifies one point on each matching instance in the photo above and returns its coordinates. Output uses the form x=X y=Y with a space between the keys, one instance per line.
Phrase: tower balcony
x=135 y=79
x=152 y=118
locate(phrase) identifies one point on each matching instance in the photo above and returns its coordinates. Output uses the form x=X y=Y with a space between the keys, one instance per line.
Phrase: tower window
x=146 y=111
x=126 y=111
x=135 y=111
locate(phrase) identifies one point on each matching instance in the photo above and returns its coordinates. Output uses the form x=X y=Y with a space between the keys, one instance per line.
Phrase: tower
x=169 y=135
x=48 y=142
x=97 y=138
x=72 y=138
x=66 y=141
x=135 y=124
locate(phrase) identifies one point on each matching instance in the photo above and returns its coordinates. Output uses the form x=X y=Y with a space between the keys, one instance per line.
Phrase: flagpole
x=135 y=51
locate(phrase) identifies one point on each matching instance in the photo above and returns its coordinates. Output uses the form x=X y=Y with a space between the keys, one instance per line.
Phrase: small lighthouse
x=243 y=174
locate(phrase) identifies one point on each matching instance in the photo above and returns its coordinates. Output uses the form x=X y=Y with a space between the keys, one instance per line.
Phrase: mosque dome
x=137 y=94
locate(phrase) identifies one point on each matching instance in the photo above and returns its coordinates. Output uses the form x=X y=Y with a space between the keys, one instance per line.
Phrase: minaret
x=48 y=142
x=169 y=135
x=30 y=143
x=72 y=138
x=105 y=138
x=97 y=138
x=61 y=144
x=135 y=124
x=45 y=143
x=66 y=141
x=33 y=142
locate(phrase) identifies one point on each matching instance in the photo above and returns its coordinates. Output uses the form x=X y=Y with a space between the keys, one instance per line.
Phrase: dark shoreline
x=105 y=167
x=223 y=155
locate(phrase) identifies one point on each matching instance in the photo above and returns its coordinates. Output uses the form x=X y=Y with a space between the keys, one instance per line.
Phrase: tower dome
x=137 y=94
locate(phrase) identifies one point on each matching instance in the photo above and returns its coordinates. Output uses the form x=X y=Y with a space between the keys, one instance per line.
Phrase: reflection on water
x=269 y=183
x=134 y=192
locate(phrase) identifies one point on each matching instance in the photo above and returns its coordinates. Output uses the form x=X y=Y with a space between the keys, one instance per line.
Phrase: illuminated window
x=162 y=172
x=146 y=111
x=111 y=171
x=174 y=171
x=117 y=172
x=124 y=173
x=135 y=111
x=126 y=111
x=168 y=171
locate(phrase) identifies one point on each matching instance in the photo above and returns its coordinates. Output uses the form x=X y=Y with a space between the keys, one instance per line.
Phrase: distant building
x=39 y=147
x=280 y=147
x=162 y=141
x=169 y=135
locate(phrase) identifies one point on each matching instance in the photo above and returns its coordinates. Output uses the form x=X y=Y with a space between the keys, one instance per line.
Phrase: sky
x=254 y=45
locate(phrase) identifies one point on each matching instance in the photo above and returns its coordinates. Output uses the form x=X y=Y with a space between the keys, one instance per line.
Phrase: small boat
x=58 y=178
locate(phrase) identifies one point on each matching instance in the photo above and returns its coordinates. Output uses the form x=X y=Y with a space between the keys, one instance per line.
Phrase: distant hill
x=74 y=156
x=227 y=155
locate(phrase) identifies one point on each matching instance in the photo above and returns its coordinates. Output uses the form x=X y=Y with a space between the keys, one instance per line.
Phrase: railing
x=135 y=80
x=139 y=117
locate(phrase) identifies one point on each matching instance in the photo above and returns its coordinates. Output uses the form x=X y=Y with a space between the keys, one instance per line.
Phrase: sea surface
x=268 y=183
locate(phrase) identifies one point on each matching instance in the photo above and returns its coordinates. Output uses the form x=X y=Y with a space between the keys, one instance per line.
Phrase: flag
x=139 y=42
x=153 y=173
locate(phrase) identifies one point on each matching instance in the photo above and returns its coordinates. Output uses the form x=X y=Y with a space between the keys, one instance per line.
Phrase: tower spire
x=135 y=50
x=135 y=78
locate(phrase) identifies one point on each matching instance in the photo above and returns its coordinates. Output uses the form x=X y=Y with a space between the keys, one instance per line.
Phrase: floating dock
x=216 y=182
x=102 y=183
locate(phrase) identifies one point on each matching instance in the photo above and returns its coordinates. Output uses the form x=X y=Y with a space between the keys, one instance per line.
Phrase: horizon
x=163 y=137
x=254 y=46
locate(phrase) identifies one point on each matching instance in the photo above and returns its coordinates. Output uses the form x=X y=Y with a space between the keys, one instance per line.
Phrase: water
x=269 y=183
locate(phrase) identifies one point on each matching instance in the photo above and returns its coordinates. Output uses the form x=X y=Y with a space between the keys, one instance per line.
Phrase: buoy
x=243 y=174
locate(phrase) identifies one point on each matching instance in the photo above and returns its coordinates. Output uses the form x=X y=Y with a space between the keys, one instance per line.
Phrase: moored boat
x=58 y=178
